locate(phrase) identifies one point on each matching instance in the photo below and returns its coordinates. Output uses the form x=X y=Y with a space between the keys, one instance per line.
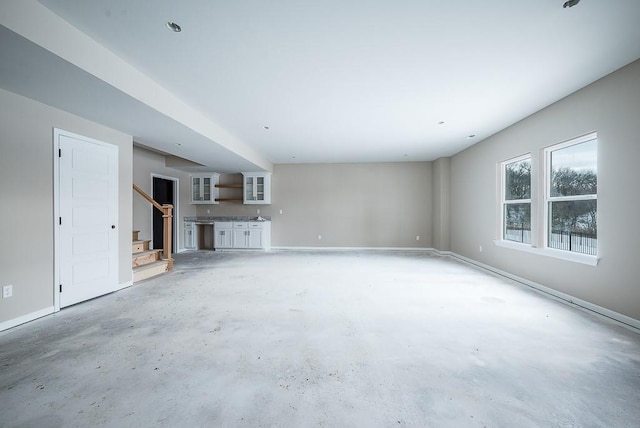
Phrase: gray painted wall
x=441 y=204
x=145 y=163
x=610 y=106
x=350 y=205
x=26 y=189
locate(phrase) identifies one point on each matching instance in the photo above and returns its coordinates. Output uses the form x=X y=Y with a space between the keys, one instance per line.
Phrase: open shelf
x=230 y=186
x=232 y=190
x=228 y=199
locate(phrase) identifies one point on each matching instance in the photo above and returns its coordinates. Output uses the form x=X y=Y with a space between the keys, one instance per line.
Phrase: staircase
x=146 y=263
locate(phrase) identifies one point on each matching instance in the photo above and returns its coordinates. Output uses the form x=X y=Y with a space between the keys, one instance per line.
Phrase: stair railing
x=167 y=215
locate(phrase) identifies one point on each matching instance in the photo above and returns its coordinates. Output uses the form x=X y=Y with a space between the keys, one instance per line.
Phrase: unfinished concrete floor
x=307 y=339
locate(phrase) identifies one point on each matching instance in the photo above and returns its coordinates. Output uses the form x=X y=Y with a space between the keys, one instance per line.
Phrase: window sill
x=549 y=252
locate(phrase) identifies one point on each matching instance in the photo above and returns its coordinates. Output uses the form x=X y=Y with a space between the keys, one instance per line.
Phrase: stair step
x=145 y=257
x=140 y=246
x=135 y=235
x=150 y=270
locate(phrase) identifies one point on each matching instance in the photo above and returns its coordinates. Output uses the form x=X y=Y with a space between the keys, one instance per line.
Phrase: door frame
x=56 y=206
x=176 y=199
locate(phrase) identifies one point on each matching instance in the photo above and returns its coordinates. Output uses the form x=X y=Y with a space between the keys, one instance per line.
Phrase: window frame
x=504 y=202
x=548 y=199
x=540 y=188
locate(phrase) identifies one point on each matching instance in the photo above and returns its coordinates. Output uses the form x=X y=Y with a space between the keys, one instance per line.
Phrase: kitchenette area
x=227 y=233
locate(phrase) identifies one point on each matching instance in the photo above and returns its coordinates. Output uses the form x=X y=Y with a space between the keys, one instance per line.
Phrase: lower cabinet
x=258 y=234
x=223 y=235
x=189 y=236
x=242 y=235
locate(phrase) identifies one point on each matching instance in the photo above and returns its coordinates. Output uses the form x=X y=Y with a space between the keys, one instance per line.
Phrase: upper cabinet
x=203 y=188
x=257 y=187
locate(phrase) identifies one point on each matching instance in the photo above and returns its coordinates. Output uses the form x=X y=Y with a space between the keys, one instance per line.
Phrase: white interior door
x=87 y=256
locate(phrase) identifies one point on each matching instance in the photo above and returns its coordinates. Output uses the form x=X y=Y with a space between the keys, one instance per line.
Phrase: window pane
x=517 y=180
x=574 y=170
x=207 y=188
x=517 y=223
x=573 y=226
x=249 y=188
x=196 y=189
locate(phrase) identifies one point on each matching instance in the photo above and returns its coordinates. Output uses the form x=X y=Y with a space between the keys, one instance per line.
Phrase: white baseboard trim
x=621 y=319
x=125 y=284
x=442 y=253
x=353 y=248
x=26 y=318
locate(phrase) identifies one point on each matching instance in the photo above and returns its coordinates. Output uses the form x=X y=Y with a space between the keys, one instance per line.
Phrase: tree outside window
x=571 y=196
x=516 y=200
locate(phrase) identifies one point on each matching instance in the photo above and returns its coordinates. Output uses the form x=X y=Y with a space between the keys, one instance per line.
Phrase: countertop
x=212 y=219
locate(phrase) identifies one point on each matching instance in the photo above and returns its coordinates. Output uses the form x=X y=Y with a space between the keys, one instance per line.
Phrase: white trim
x=176 y=199
x=547 y=198
x=623 y=320
x=352 y=248
x=572 y=141
x=14 y=322
x=442 y=253
x=56 y=216
x=619 y=318
x=502 y=194
x=567 y=299
x=569 y=256
x=232 y=250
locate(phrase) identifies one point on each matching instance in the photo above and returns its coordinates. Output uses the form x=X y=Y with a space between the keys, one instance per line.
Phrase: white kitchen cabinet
x=258 y=233
x=203 y=188
x=251 y=235
x=189 y=236
x=248 y=235
x=223 y=235
x=240 y=238
x=256 y=187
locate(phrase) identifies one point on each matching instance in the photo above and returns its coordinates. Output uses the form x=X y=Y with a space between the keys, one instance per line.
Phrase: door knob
x=113 y=226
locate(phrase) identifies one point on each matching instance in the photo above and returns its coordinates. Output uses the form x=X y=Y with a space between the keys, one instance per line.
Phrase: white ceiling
x=357 y=81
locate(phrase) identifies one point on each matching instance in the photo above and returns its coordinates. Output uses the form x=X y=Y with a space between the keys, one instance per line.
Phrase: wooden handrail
x=167 y=215
x=148 y=198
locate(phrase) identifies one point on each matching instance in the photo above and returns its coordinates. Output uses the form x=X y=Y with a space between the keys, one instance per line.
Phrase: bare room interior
x=297 y=214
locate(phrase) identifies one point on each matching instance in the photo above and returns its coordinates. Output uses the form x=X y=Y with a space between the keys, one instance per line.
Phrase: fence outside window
x=574 y=241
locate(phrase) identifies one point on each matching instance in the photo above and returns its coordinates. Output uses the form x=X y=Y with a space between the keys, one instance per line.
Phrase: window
x=571 y=202
x=548 y=201
x=516 y=200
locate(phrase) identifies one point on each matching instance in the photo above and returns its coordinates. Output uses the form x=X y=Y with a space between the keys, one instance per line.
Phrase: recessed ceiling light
x=174 y=27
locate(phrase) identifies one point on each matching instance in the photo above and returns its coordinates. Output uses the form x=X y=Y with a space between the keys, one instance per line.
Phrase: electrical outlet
x=417 y=237
x=258 y=211
x=208 y=211
x=280 y=211
x=319 y=237
x=7 y=291
x=480 y=248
